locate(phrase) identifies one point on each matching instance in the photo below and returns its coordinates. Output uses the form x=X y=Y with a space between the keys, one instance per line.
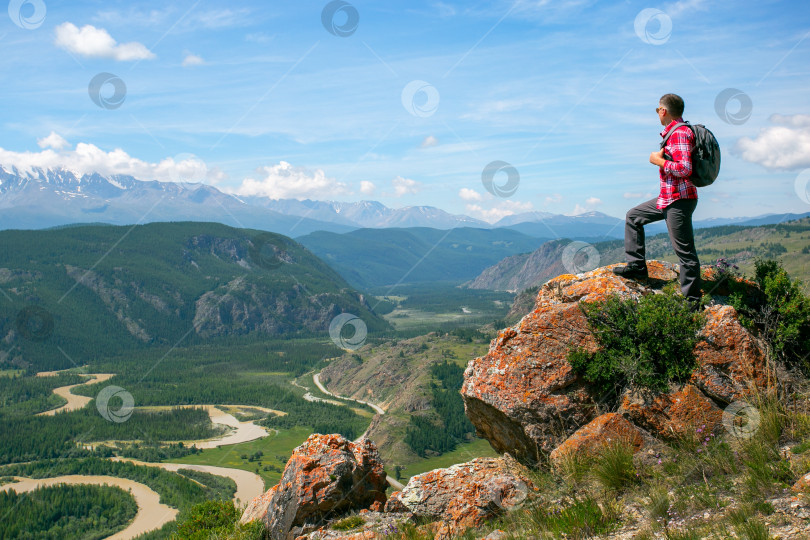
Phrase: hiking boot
x=631 y=271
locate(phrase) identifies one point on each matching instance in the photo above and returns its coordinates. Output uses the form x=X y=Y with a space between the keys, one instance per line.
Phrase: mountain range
x=43 y=198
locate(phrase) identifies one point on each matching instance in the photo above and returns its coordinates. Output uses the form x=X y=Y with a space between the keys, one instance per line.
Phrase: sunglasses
x=657 y=109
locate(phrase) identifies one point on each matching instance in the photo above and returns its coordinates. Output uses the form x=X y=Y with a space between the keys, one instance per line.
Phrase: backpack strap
x=671 y=131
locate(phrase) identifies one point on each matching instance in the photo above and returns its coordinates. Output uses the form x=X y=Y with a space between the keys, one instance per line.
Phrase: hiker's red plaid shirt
x=675 y=174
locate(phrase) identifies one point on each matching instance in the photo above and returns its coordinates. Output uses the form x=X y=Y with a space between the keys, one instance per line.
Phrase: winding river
x=74 y=402
x=152 y=514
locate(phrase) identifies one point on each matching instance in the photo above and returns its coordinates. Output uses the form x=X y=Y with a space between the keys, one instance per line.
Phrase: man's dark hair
x=673 y=103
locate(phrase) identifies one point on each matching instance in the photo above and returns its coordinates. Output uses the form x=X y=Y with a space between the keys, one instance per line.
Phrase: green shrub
x=646 y=343
x=210 y=518
x=781 y=311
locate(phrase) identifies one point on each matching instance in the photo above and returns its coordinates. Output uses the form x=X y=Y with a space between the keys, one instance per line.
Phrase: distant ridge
x=43 y=198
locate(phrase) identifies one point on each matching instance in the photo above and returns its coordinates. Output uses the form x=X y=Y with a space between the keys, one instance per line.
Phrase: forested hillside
x=93 y=291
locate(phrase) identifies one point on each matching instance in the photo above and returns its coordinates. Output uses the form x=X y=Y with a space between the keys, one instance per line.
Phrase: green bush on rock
x=645 y=343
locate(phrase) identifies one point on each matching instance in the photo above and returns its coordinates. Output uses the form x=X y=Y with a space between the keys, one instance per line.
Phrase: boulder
x=673 y=415
x=802 y=485
x=464 y=495
x=524 y=397
x=732 y=362
x=602 y=430
x=326 y=476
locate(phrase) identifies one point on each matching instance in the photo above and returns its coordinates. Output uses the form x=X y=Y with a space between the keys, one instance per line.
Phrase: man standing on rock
x=676 y=202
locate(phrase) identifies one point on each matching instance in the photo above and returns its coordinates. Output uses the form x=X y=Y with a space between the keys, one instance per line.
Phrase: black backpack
x=705 y=154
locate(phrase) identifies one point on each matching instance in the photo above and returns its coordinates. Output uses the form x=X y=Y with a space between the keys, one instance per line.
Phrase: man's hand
x=657 y=158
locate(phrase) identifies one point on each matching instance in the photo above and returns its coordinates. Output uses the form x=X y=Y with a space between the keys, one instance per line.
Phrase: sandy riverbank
x=151 y=513
x=74 y=402
x=248 y=485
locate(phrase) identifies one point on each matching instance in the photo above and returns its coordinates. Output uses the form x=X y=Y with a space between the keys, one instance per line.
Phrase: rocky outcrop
x=326 y=476
x=113 y=297
x=525 y=398
x=465 y=495
x=599 y=432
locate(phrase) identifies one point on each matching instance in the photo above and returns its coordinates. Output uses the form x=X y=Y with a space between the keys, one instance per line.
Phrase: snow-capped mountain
x=370 y=214
x=41 y=198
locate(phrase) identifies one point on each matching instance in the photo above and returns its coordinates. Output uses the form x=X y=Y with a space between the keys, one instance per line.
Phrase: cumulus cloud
x=404 y=186
x=501 y=210
x=367 y=188
x=468 y=194
x=88 y=159
x=192 y=60
x=554 y=199
x=429 y=141
x=593 y=201
x=786 y=145
x=98 y=43
x=54 y=140
x=284 y=181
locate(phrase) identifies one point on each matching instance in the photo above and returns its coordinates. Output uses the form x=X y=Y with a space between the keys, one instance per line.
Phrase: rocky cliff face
x=524 y=397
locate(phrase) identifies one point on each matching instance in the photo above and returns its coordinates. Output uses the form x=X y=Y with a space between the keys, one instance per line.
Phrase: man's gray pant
x=678 y=216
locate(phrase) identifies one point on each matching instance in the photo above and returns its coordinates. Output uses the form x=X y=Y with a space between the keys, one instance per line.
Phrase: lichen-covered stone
x=466 y=494
x=325 y=477
x=672 y=415
x=733 y=363
x=524 y=397
x=602 y=430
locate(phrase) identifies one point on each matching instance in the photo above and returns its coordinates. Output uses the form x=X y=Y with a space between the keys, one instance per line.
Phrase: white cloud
x=223 y=18
x=783 y=146
x=686 y=6
x=444 y=10
x=259 y=37
x=54 y=140
x=500 y=211
x=429 y=141
x=367 y=188
x=98 y=43
x=578 y=209
x=404 y=186
x=88 y=159
x=192 y=60
x=637 y=195
x=283 y=181
x=554 y=199
x=468 y=194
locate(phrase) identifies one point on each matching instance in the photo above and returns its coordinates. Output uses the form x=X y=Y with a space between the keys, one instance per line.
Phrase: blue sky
x=412 y=103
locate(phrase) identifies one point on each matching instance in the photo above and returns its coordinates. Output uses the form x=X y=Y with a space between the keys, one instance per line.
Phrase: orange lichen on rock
x=732 y=362
x=466 y=494
x=325 y=476
x=602 y=430
x=524 y=397
x=673 y=415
